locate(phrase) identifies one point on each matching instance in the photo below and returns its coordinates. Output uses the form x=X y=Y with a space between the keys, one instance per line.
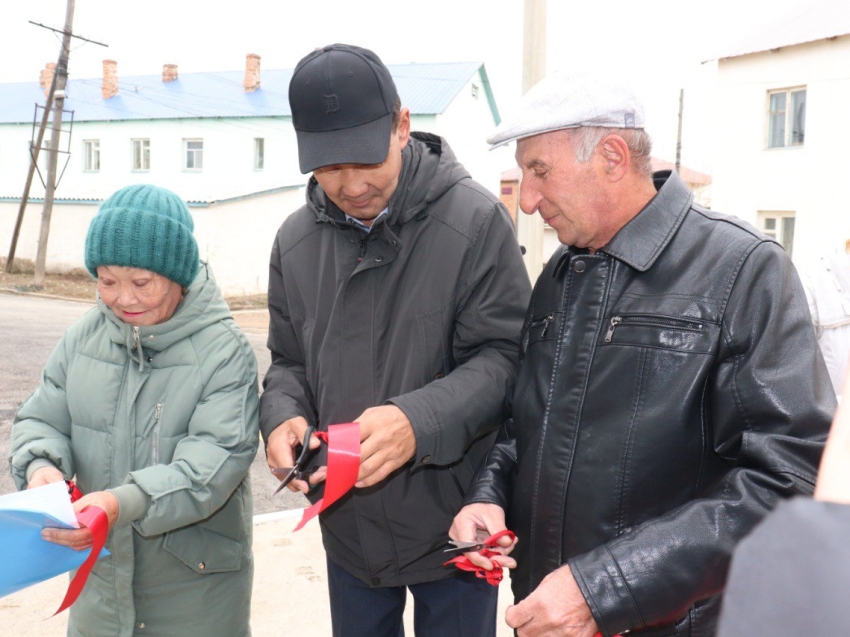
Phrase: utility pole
x=34 y=151
x=679 y=135
x=60 y=80
x=530 y=227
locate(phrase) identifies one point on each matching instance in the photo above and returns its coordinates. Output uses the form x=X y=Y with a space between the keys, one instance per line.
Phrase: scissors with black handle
x=298 y=472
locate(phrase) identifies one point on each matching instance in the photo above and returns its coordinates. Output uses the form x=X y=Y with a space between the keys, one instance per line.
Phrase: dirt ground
x=79 y=285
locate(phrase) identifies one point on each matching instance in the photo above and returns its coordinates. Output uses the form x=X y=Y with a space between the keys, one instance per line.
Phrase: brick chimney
x=252 y=73
x=46 y=77
x=169 y=72
x=110 y=79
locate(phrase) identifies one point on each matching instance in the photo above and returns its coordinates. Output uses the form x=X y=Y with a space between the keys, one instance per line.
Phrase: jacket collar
x=202 y=305
x=644 y=238
x=429 y=169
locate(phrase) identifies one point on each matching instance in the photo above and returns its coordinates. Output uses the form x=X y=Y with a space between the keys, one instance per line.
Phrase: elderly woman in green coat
x=150 y=403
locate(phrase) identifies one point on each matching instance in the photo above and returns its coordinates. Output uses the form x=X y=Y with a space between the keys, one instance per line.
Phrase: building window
x=779 y=226
x=474 y=90
x=787 y=118
x=194 y=154
x=141 y=154
x=259 y=153
x=91 y=155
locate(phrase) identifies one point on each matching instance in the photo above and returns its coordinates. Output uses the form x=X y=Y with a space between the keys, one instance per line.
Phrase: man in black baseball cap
x=342 y=99
x=396 y=295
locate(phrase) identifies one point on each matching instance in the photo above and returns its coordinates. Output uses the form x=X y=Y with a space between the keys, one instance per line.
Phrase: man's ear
x=615 y=154
x=403 y=129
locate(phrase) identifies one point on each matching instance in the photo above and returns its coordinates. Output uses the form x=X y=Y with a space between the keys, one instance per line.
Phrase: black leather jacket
x=671 y=392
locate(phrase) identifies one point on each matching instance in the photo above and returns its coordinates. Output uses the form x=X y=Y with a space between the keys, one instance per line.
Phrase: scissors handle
x=305 y=447
x=298 y=472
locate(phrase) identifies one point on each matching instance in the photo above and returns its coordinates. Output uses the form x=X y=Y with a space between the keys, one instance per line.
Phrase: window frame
x=143 y=155
x=196 y=153
x=259 y=153
x=788 y=137
x=781 y=227
x=91 y=155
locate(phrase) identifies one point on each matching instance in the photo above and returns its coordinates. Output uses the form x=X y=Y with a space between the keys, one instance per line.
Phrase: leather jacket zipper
x=651 y=321
x=545 y=322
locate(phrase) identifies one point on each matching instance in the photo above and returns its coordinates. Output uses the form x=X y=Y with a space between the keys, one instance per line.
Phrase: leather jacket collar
x=644 y=238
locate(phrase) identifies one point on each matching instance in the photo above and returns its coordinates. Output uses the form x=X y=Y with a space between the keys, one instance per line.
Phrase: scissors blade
x=464 y=547
x=290 y=474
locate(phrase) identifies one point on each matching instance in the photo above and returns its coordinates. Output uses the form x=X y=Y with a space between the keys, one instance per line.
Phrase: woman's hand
x=45 y=475
x=81 y=539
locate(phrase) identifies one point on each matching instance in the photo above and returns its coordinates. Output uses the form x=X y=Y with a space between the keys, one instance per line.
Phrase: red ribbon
x=93 y=518
x=73 y=491
x=493 y=577
x=343 y=466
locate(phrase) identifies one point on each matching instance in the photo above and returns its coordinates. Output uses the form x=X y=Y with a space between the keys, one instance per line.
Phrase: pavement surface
x=290 y=577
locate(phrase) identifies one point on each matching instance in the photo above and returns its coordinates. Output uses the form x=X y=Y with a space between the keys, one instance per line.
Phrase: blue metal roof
x=426 y=89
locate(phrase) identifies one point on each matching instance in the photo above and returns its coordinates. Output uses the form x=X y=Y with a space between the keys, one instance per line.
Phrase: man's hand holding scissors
x=281 y=454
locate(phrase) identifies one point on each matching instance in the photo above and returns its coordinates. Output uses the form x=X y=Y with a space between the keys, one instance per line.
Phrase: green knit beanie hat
x=144 y=227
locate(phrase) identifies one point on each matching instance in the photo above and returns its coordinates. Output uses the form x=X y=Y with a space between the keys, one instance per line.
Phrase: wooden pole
x=61 y=78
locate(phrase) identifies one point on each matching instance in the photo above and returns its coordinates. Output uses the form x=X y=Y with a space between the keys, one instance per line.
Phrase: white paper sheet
x=51 y=499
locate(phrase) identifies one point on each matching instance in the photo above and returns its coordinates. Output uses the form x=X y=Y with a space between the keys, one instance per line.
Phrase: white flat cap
x=564 y=100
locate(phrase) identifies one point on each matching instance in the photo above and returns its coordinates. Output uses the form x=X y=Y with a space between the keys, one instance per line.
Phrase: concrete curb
x=277 y=516
x=45 y=296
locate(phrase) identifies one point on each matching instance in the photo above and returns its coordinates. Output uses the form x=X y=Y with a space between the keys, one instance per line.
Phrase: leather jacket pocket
x=659 y=331
x=204 y=551
x=542 y=328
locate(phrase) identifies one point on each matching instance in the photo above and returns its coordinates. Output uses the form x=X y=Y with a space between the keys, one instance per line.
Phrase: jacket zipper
x=137 y=347
x=545 y=322
x=155 y=443
x=652 y=321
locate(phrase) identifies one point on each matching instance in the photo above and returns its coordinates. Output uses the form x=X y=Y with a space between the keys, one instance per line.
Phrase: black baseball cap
x=341 y=97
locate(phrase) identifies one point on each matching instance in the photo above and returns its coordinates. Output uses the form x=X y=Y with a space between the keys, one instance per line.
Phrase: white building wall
x=234 y=237
x=749 y=177
x=228 y=169
x=66 y=244
x=466 y=124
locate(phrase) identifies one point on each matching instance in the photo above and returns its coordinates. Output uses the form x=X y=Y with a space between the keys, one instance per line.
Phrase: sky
x=657 y=47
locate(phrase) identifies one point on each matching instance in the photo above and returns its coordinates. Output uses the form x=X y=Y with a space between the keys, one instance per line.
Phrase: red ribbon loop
x=493 y=577
x=95 y=519
x=343 y=466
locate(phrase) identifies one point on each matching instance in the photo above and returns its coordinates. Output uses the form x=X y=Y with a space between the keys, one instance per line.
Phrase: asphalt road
x=31 y=326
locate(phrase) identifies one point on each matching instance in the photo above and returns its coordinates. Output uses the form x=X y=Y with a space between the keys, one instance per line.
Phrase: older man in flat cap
x=670 y=394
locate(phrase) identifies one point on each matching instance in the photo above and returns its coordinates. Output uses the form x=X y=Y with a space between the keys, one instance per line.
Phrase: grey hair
x=585 y=139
